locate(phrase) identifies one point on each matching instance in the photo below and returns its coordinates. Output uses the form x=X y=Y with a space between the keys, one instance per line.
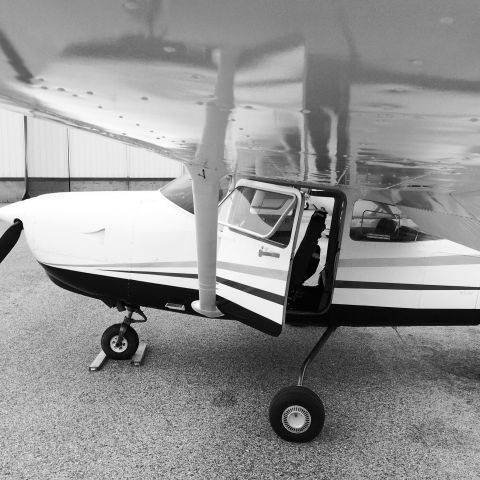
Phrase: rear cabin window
x=380 y=222
x=263 y=214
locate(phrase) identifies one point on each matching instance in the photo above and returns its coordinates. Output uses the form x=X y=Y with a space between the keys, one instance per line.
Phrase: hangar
x=40 y=156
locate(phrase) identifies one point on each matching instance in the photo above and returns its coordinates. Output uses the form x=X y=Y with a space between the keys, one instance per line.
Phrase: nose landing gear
x=297 y=413
x=120 y=341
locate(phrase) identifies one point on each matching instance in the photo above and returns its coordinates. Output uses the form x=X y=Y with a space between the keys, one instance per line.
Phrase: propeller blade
x=10 y=238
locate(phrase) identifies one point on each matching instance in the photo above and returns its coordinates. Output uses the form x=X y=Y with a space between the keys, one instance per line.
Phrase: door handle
x=266 y=253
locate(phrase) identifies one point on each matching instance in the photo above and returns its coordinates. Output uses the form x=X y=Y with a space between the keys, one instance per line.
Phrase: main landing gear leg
x=120 y=341
x=297 y=413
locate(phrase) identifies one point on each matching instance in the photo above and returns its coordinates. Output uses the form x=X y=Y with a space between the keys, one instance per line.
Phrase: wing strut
x=206 y=172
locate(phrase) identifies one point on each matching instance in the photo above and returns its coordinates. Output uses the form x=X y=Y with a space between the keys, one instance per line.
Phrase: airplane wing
x=381 y=97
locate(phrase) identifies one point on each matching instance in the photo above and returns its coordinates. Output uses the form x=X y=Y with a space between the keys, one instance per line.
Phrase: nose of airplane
x=10 y=213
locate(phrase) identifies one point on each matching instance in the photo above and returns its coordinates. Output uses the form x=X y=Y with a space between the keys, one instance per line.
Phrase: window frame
x=251 y=233
x=419 y=234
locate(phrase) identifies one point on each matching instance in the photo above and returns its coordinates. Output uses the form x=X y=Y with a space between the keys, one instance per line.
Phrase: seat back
x=304 y=263
x=386 y=226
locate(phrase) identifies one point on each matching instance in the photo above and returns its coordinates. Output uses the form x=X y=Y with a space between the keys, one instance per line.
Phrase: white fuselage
x=145 y=239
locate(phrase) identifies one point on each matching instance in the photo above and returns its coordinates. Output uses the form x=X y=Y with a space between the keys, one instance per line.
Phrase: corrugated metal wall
x=97 y=157
x=47 y=149
x=62 y=159
x=12 y=153
x=12 y=156
x=143 y=164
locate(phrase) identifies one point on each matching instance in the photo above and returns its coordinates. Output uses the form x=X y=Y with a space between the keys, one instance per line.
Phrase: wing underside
x=378 y=97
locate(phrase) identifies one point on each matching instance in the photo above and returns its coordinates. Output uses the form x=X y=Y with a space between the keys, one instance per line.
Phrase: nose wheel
x=296 y=413
x=120 y=341
x=119 y=349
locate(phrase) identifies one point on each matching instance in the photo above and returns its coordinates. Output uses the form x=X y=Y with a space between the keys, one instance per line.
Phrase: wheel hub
x=118 y=348
x=296 y=419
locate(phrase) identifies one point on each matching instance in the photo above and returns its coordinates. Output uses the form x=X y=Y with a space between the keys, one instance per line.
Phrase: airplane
x=368 y=113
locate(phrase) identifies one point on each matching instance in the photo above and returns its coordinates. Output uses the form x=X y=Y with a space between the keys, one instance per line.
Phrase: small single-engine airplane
x=332 y=151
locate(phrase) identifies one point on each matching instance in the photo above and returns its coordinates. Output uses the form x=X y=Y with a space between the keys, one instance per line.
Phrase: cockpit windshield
x=179 y=191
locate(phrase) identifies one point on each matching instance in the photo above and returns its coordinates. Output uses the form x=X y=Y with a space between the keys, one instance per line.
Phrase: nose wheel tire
x=297 y=414
x=123 y=350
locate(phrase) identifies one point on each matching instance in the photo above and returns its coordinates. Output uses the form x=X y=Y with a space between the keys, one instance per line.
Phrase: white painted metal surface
x=91 y=156
x=146 y=237
x=423 y=274
x=47 y=149
x=145 y=164
x=12 y=150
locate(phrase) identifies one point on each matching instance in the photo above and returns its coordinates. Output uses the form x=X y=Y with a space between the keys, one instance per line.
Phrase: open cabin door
x=258 y=224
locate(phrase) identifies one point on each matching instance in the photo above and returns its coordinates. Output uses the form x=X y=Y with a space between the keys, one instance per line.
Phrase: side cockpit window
x=380 y=222
x=259 y=213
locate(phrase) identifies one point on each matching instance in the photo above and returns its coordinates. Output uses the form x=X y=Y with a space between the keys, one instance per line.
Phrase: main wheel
x=126 y=349
x=297 y=414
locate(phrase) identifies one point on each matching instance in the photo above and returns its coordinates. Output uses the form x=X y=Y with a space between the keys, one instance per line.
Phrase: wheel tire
x=129 y=344
x=297 y=414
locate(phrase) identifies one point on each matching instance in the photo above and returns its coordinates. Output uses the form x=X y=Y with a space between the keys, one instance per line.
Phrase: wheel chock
x=97 y=364
x=139 y=355
x=136 y=360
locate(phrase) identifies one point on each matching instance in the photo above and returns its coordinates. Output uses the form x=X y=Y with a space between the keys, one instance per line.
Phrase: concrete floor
x=198 y=407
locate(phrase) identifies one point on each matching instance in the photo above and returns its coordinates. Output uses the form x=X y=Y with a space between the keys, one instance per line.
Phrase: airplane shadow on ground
x=354 y=358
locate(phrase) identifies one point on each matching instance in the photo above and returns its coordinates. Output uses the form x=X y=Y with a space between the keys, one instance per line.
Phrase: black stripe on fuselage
x=146 y=294
x=164 y=274
x=271 y=297
x=373 y=316
x=397 y=286
x=257 y=292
